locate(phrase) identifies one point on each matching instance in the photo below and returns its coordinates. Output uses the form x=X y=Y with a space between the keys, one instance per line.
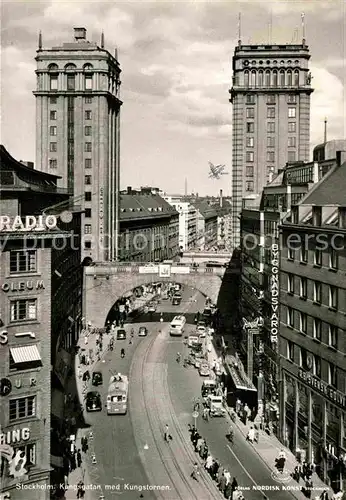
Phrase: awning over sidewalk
x=57 y=404
x=25 y=354
x=56 y=462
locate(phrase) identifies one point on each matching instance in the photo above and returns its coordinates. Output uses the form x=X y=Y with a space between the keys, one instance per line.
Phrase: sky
x=176 y=61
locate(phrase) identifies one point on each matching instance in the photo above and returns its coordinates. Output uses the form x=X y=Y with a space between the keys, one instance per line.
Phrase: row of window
x=317 y=291
x=53 y=130
x=309 y=361
x=316 y=327
x=250 y=127
x=271 y=99
x=70 y=82
x=317 y=255
x=271 y=112
x=250 y=142
x=87 y=100
x=53 y=148
x=271 y=78
x=53 y=116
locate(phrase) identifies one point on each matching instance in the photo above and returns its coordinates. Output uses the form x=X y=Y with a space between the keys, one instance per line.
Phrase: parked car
x=151 y=307
x=121 y=334
x=143 y=331
x=97 y=378
x=93 y=401
x=204 y=369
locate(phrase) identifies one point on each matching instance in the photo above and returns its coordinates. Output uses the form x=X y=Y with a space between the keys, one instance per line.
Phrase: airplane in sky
x=215 y=171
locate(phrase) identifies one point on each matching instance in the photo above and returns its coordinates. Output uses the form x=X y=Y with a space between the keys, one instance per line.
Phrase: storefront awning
x=57 y=404
x=56 y=461
x=25 y=354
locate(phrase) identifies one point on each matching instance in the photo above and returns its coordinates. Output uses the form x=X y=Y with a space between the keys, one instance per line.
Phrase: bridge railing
x=107 y=268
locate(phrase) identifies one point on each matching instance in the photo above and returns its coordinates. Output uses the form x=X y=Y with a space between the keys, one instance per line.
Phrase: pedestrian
x=80 y=489
x=86 y=340
x=199 y=444
x=227 y=475
x=228 y=491
x=307 y=488
x=222 y=483
x=79 y=458
x=251 y=435
x=195 y=472
x=238 y=407
x=167 y=435
x=280 y=461
x=234 y=484
x=215 y=469
x=209 y=462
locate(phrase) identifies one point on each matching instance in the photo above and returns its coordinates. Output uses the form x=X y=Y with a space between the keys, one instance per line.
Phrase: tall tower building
x=271 y=116
x=78 y=133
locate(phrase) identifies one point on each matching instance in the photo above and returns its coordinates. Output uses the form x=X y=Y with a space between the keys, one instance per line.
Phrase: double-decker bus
x=117 y=395
x=176 y=327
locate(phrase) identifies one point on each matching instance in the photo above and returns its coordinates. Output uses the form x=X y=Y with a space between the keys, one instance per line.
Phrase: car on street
x=215 y=403
x=151 y=307
x=143 y=331
x=201 y=331
x=204 y=369
x=93 y=401
x=121 y=334
x=96 y=378
x=209 y=386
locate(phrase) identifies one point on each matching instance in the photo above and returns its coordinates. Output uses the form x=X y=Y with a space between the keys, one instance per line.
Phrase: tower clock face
x=5 y=387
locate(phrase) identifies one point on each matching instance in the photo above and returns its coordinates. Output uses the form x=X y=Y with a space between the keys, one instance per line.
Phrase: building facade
x=207 y=228
x=78 y=133
x=187 y=221
x=313 y=327
x=270 y=95
x=149 y=227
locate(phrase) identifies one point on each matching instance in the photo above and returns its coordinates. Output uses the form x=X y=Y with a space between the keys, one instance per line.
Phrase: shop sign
x=164 y=270
x=101 y=213
x=3 y=337
x=15 y=436
x=22 y=286
x=315 y=383
x=148 y=269
x=274 y=293
x=18 y=223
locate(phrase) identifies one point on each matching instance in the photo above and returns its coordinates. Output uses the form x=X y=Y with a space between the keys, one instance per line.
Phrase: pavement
x=268 y=448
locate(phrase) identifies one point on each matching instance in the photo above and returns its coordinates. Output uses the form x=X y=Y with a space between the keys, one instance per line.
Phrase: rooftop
x=138 y=205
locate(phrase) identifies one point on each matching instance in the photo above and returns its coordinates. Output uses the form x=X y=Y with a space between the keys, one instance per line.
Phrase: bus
x=176 y=328
x=117 y=395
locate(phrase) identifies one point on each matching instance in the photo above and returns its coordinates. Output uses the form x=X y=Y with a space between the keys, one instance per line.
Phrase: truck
x=215 y=404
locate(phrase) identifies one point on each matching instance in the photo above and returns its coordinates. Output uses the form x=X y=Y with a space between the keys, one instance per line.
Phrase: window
x=87 y=114
x=52 y=147
x=29 y=451
x=290 y=350
x=303 y=252
x=290 y=317
x=53 y=82
x=87 y=212
x=333 y=258
x=23 y=309
x=250 y=127
x=291 y=156
x=271 y=99
x=282 y=78
x=249 y=155
x=270 y=156
x=332 y=375
x=289 y=78
x=291 y=112
x=249 y=171
x=88 y=100
x=291 y=142
x=316 y=366
x=23 y=261
x=270 y=142
x=333 y=336
x=88 y=82
x=87 y=179
x=333 y=297
x=87 y=245
x=292 y=99
x=275 y=78
x=317 y=330
x=52 y=115
x=270 y=112
x=53 y=163
x=290 y=283
x=87 y=196
x=249 y=186
x=53 y=100
x=71 y=82
x=87 y=162
x=296 y=78
x=250 y=112
x=303 y=288
x=88 y=147
x=246 y=78
x=52 y=130
x=317 y=292
x=260 y=78
x=302 y=322
x=87 y=130
x=87 y=229
x=291 y=126
x=271 y=127
x=253 y=78
x=249 y=142
x=318 y=257
x=22 y=408
x=250 y=99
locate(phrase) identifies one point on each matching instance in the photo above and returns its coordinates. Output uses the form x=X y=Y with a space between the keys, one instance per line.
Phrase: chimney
x=79 y=34
x=129 y=189
x=221 y=198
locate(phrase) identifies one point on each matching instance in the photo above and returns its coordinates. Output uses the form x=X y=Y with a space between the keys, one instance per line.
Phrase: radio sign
x=27 y=223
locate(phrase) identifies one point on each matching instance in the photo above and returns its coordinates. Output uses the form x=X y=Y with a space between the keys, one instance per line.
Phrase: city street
x=130 y=449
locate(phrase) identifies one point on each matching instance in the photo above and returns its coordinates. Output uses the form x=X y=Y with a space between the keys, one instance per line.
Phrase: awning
x=56 y=461
x=57 y=403
x=25 y=354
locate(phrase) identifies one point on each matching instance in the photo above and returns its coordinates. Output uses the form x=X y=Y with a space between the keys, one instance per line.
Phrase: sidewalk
x=268 y=449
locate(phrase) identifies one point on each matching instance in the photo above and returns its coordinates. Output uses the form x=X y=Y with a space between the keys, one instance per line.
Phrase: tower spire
x=102 y=40
x=239 y=29
x=40 y=41
x=303 y=28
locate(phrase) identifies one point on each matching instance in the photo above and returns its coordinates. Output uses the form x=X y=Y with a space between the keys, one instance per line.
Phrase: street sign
x=195 y=414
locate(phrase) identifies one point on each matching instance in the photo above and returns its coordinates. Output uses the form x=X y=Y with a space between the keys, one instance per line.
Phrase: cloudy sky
x=176 y=63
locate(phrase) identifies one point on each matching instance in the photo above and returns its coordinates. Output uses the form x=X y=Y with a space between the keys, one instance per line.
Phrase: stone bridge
x=105 y=283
